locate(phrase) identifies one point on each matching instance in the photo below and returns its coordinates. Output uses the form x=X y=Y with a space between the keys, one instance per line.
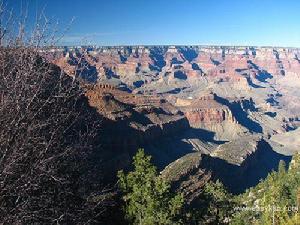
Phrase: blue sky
x=174 y=22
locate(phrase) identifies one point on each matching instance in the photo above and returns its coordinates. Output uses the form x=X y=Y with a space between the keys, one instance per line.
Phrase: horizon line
x=180 y=45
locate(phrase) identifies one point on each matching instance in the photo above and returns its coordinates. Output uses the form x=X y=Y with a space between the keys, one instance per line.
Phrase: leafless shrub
x=48 y=135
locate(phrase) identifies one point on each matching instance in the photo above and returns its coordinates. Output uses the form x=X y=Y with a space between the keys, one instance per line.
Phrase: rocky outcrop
x=226 y=63
x=270 y=75
x=135 y=120
x=208 y=115
x=202 y=96
x=204 y=110
x=241 y=164
x=187 y=177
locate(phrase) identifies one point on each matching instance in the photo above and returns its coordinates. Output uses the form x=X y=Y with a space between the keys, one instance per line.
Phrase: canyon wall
x=224 y=63
x=212 y=105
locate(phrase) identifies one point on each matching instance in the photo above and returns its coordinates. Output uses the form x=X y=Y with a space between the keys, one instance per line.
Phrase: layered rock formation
x=194 y=108
x=223 y=62
x=204 y=110
x=268 y=77
x=207 y=113
x=134 y=119
x=239 y=164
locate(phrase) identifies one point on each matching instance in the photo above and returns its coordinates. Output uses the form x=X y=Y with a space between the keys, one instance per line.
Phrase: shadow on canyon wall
x=189 y=53
x=240 y=115
x=250 y=82
x=157 y=56
x=122 y=142
x=180 y=75
x=166 y=150
x=262 y=75
x=171 y=143
x=238 y=178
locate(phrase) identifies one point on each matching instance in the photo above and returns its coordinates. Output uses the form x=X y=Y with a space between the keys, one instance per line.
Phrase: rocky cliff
x=204 y=110
x=134 y=119
x=224 y=63
x=200 y=108
x=239 y=164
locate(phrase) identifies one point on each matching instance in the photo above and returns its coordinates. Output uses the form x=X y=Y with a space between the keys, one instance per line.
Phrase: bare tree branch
x=49 y=135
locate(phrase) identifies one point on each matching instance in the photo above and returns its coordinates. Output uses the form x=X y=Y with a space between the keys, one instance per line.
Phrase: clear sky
x=174 y=22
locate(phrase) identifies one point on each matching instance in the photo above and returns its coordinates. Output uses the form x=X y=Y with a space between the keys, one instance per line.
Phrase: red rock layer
x=204 y=110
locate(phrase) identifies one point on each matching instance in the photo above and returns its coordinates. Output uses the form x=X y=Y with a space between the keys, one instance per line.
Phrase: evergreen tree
x=148 y=199
x=281 y=169
x=215 y=205
x=275 y=197
x=219 y=202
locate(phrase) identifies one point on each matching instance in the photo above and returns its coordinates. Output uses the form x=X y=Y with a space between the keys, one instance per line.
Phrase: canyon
x=202 y=112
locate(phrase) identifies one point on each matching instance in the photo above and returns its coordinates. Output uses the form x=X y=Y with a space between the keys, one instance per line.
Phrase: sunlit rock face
x=269 y=76
x=204 y=110
x=181 y=62
x=194 y=106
